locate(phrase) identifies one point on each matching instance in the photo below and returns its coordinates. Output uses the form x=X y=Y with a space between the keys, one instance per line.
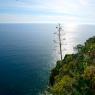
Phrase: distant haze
x=47 y=11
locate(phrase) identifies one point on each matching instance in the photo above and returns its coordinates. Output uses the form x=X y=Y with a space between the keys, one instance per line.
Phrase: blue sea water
x=27 y=56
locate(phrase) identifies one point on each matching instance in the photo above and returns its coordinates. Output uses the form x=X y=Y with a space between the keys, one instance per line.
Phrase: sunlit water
x=77 y=34
x=27 y=55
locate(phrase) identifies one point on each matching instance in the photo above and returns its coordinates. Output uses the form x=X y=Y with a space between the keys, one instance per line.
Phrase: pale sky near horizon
x=47 y=11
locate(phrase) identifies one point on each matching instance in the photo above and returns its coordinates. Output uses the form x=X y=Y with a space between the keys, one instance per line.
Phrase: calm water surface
x=26 y=55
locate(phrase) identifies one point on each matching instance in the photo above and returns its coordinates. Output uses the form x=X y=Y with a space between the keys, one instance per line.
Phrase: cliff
x=75 y=74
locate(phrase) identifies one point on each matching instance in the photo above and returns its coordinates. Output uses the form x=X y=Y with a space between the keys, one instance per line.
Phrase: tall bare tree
x=60 y=40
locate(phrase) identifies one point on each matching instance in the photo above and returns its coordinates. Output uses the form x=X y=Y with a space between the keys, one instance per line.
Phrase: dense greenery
x=75 y=75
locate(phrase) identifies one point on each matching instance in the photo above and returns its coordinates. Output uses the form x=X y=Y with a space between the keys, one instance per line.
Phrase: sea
x=28 y=53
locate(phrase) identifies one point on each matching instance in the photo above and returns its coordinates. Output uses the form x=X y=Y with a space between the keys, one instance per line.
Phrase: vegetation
x=75 y=74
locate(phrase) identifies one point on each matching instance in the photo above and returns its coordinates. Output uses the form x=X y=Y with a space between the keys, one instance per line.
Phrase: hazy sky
x=27 y=11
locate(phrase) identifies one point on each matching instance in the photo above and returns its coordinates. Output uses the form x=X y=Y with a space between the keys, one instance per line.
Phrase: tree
x=59 y=42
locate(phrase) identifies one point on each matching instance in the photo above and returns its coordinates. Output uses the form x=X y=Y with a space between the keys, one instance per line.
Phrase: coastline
x=66 y=76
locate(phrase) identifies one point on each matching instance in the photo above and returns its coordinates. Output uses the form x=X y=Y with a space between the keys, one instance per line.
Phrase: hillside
x=75 y=75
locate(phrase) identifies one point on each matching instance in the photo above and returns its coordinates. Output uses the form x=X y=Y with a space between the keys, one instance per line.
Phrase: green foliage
x=64 y=86
x=89 y=72
x=75 y=74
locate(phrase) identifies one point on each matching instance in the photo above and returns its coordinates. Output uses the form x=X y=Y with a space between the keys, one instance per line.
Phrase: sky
x=47 y=11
